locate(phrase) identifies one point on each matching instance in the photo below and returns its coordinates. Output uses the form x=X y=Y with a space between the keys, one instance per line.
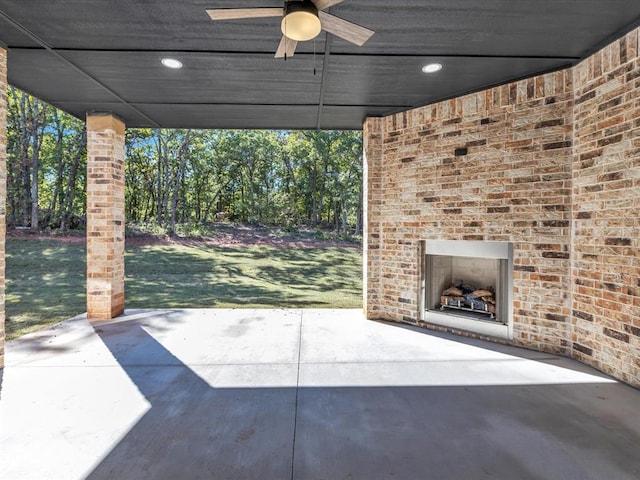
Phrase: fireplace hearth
x=467 y=285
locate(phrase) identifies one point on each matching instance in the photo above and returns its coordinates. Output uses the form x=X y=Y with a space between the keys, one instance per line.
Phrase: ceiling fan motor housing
x=300 y=21
x=300 y=5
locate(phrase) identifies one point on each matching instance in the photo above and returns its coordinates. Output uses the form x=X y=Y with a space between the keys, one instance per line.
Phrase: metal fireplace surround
x=432 y=252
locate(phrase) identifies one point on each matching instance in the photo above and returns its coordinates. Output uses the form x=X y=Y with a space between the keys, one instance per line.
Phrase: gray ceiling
x=97 y=55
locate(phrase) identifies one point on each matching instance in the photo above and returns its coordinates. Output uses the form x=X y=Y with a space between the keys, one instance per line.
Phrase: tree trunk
x=292 y=191
x=150 y=206
x=314 y=196
x=166 y=185
x=25 y=187
x=358 y=229
x=70 y=190
x=182 y=160
x=344 y=215
x=159 y=177
x=60 y=164
x=37 y=125
x=35 y=168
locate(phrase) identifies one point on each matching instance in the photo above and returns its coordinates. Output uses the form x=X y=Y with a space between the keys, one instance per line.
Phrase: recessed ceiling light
x=432 y=68
x=171 y=63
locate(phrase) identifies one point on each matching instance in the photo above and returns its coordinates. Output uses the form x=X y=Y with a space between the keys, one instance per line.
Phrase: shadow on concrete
x=193 y=430
x=512 y=351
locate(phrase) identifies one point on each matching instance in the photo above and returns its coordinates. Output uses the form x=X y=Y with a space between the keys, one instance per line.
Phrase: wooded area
x=280 y=178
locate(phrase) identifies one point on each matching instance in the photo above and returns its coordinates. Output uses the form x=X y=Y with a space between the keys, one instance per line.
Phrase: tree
x=27 y=120
x=45 y=146
x=278 y=178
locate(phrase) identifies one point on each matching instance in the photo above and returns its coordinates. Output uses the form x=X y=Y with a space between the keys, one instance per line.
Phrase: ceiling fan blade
x=287 y=46
x=238 y=13
x=341 y=28
x=324 y=4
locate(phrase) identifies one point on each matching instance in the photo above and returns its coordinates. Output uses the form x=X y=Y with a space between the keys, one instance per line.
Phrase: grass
x=46 y=279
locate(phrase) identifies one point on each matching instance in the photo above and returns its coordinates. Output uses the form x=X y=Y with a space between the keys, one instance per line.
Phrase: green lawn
x=46 y=279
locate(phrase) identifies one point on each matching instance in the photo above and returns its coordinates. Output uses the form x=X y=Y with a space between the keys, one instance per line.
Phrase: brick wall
x=105 y=216
x=3 y=190
x=513 y=185
x=606 y=210
x=521 y=181
x=372 y=191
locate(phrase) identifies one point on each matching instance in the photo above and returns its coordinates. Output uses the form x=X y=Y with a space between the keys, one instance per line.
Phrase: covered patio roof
x=92 y=55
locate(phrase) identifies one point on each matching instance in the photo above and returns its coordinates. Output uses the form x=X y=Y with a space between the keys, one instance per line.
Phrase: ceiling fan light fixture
x=300 y=21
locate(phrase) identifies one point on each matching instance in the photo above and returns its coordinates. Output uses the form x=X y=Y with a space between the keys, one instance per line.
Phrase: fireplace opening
x=467 y=285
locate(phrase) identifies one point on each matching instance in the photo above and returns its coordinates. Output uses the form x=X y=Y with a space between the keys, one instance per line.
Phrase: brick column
x=372 y=232
x=105 y=216
x=3 y=189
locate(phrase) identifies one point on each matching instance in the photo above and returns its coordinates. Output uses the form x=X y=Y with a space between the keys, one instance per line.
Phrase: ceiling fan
x=301 y=20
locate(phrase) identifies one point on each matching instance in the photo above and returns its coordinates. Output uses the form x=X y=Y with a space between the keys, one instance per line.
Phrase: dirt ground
x=225 y=235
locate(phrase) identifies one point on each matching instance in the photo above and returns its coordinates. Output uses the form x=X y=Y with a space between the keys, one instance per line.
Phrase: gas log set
x=464 y=296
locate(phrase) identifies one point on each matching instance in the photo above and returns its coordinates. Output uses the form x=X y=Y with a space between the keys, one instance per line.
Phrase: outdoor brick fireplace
x=468 y=285
x=549 y=165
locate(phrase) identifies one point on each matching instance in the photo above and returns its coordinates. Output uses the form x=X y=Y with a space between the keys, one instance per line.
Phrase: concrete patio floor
x=302 y=394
